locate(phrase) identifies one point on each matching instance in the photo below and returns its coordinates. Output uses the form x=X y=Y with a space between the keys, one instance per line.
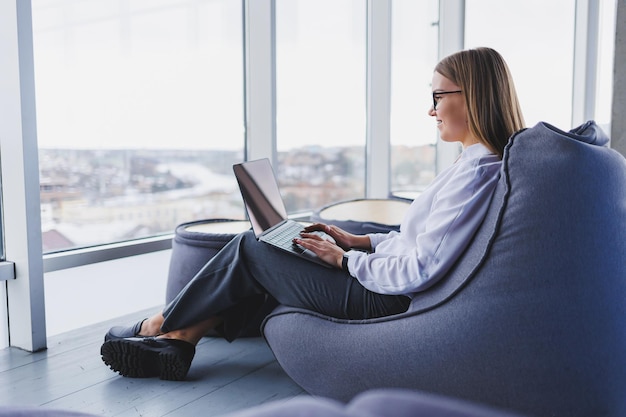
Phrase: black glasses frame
x=441 y=93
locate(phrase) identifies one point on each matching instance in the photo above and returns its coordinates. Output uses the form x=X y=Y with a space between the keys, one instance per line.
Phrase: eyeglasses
x=437 y=96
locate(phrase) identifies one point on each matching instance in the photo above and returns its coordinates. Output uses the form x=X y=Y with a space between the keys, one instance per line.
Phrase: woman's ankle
x=180 y=335
x=151 y=326
x=195 y=333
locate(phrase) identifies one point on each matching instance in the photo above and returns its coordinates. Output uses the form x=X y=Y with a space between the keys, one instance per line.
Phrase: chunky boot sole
x=148 y=357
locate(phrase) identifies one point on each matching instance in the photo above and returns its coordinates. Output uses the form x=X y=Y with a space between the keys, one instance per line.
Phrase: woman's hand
x=326 y=250
x=344 y=240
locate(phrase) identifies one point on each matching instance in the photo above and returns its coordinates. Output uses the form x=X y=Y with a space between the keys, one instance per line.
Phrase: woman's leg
x=227 y=292
x=151 y=327
x=246 y=269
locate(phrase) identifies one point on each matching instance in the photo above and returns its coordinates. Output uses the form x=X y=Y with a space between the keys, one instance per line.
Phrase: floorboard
x=70 y=375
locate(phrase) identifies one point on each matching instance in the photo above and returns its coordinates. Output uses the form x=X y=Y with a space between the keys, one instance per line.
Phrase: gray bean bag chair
x=532 y=317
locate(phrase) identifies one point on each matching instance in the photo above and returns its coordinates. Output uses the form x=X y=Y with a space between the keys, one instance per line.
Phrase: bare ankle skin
x=152 y=326
x=195 y=333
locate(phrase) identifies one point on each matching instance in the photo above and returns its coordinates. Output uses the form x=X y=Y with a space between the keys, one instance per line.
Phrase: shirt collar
x=474 y=151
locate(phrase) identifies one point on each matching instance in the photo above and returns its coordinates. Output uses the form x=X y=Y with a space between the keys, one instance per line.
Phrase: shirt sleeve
x=376 y=238
x=402 y=265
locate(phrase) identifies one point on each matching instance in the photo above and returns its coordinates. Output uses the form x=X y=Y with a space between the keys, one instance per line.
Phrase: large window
x=140 y=116
x=320 y=88
x=536 y=39
x=413 y=131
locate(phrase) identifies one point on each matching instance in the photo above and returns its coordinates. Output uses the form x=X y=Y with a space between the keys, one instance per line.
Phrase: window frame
x=18 y=142
x=20 y=174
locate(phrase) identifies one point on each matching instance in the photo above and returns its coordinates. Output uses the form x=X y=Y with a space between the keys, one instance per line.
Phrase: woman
x=474 y=103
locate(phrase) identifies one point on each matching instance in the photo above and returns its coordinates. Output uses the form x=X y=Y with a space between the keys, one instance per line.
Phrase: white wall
x=84 y=295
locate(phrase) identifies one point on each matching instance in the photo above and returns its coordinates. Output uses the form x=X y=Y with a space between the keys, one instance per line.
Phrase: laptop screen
x=260 y=193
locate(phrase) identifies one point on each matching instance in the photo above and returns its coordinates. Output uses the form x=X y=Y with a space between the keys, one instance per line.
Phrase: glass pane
x=536 y=38
x=320 y=77
x=139 y=116
x=413 y=131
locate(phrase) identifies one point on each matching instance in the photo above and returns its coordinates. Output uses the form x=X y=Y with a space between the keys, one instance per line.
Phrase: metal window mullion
x=585 y=60
x=451 y=39
x=106 y=252
x=20 y=173
x=378 y=107
x=618 y=112
x=260 y=79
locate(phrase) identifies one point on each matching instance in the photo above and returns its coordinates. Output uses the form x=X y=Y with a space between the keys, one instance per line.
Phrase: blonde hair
x=493 y=109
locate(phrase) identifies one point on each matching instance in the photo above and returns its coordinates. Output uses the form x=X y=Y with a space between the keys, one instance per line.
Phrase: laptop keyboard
x=284 y=235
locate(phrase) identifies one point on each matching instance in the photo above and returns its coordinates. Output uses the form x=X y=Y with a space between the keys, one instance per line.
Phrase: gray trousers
x=235 y=283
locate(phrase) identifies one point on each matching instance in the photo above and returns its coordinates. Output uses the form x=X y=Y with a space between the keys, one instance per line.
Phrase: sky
x=159 y=75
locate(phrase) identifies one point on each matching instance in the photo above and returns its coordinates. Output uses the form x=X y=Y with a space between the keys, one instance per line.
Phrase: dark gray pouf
x=194 y=244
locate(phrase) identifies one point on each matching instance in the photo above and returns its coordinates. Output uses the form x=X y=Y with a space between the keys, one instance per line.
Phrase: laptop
x=266 y=209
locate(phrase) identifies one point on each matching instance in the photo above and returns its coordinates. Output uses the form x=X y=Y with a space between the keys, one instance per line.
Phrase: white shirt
x=435 y=231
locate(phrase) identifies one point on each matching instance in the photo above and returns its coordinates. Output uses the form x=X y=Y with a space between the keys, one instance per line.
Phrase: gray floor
x=70 y=375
